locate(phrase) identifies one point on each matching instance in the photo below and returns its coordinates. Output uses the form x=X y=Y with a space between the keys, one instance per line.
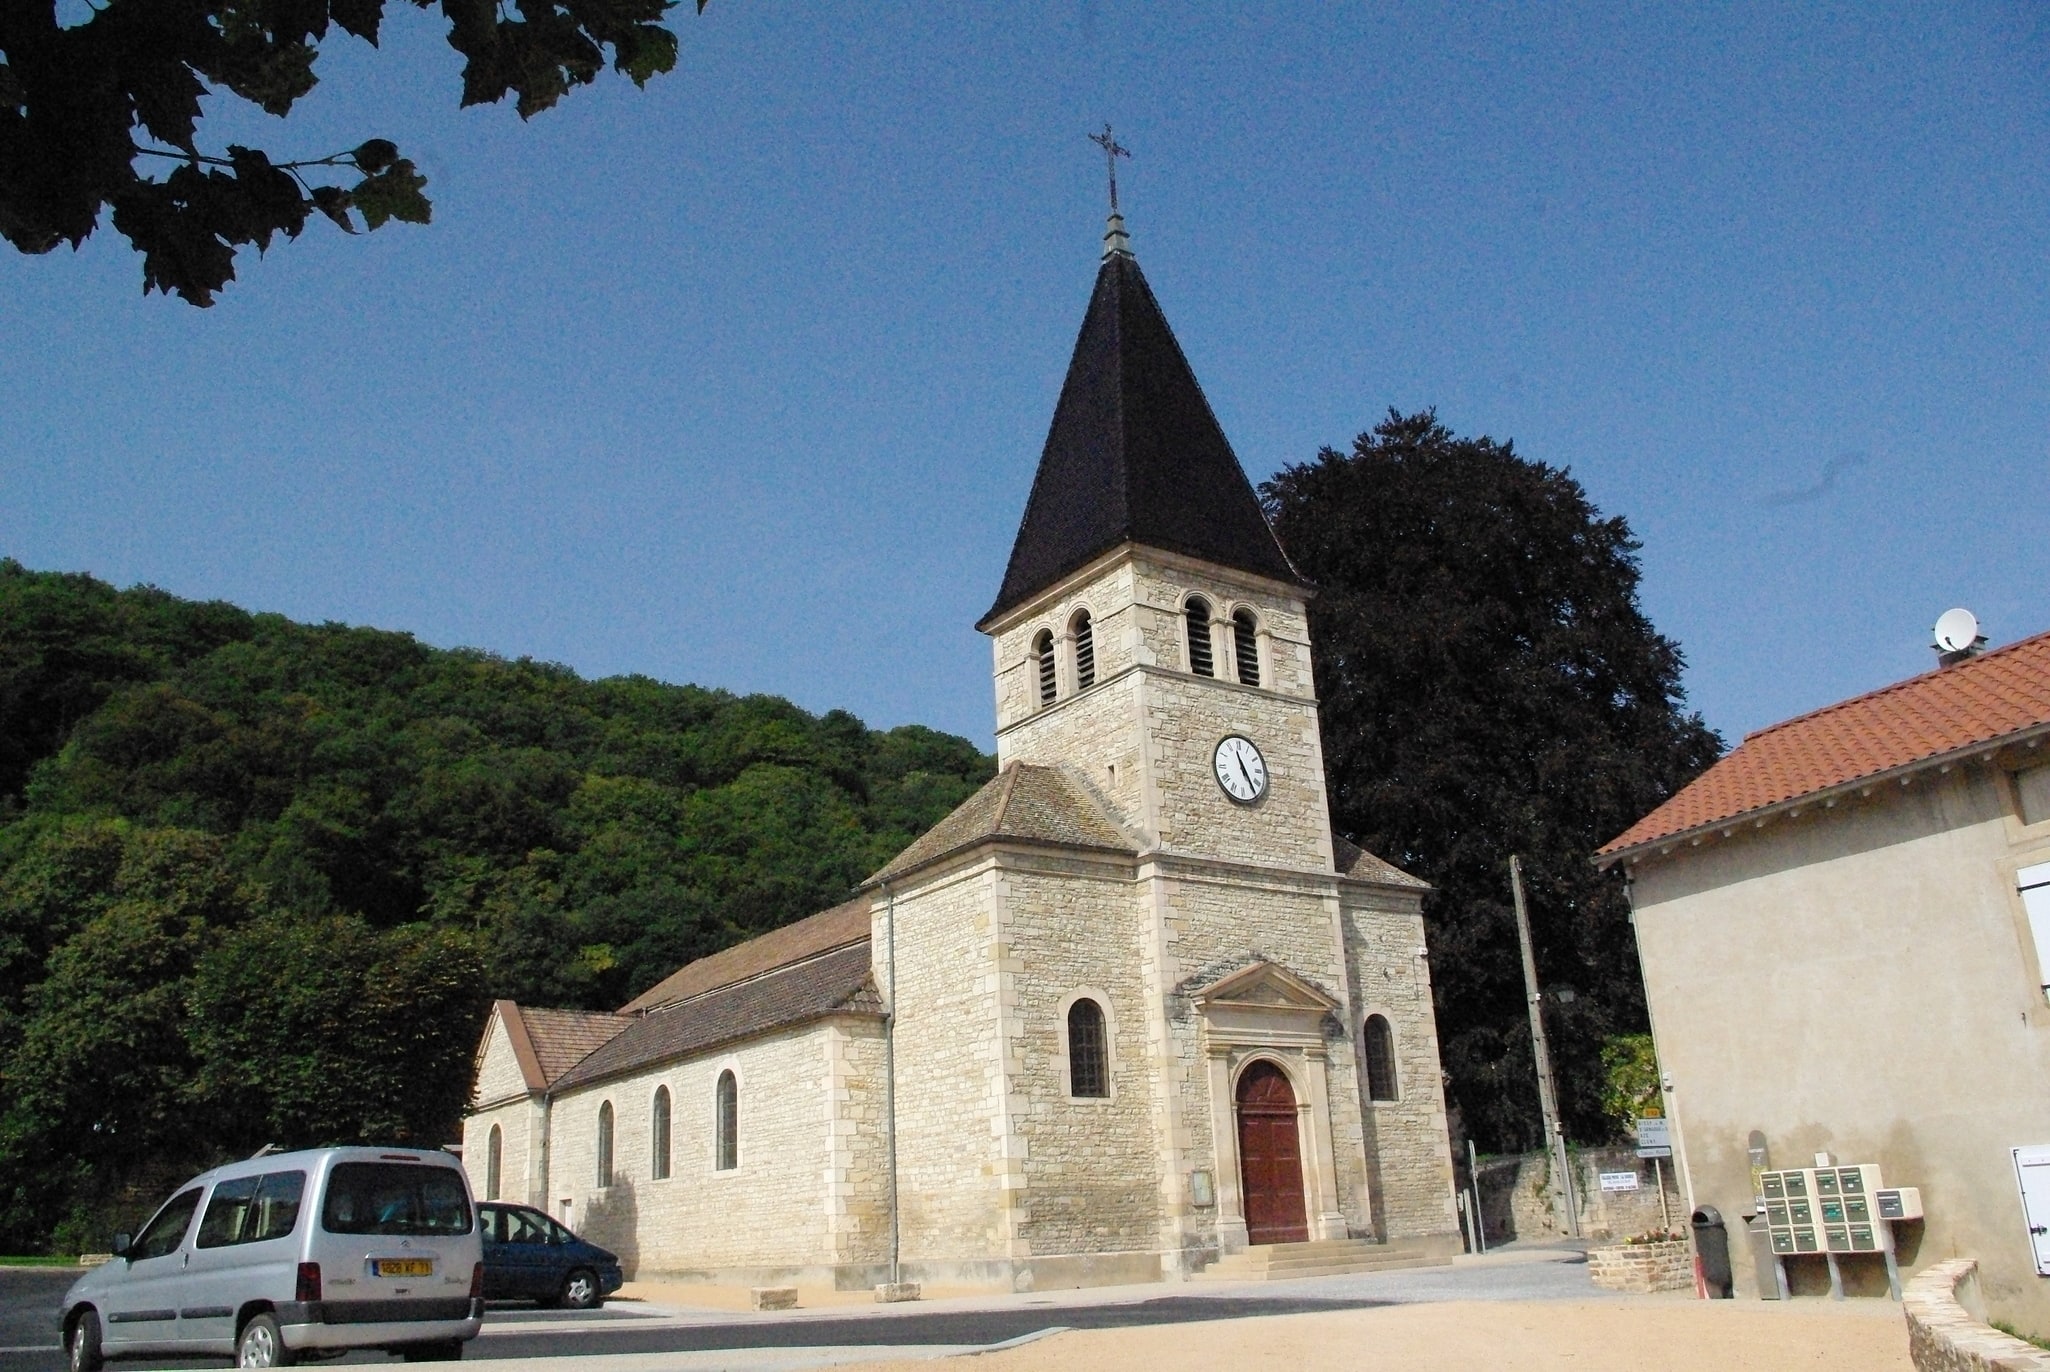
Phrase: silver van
x=328 y=1249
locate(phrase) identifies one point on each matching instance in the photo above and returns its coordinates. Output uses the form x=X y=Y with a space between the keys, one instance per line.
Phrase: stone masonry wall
x=1409 y=1153
x=1091 y=1166
x=1289 y=827
x=1946 y=1328
x=953 y=1181
x=498 y=1075
x=1516 y=1197
x=1642 y=1267
x=514 y=1178
x=1219 y=921
x=769 y=1211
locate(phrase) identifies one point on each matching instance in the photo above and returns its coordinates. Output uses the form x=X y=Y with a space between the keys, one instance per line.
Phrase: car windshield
x=394 y=1198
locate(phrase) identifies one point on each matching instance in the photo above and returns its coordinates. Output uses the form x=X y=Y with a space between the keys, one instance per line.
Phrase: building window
x=1088 y=1056
x=494 y=1159
x=728 y=1130
x=1197 y=612
x=1085 y=652
x=1042 y=650
x=1245 y=635
x=605 y=1144
x=1380 y=1059
x=658 y=1135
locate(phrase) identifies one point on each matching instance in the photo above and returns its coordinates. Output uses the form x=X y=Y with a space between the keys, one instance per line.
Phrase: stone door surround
x=1265 y=1013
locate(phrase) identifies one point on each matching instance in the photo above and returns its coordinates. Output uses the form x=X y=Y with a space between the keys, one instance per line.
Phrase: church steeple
x=1134 y=454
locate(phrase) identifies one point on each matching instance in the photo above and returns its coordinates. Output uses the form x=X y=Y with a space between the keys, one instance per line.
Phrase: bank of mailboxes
x=1834 y=1209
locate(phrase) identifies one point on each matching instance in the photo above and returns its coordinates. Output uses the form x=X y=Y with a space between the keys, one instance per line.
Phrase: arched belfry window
x=1245 y=634
x=1380 y=1059
x=728 y=1123
x=604 y=1177
x=658 y=1135
x=494 y=1162
x=1042 y=653
x=1085 y=652
x=1197 y=612
x=1088 y=1054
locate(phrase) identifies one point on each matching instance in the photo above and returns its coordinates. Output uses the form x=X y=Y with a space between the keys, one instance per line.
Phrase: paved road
x=28 y=1342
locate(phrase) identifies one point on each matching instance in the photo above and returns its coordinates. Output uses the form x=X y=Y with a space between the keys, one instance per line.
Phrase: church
x=1130 y=1013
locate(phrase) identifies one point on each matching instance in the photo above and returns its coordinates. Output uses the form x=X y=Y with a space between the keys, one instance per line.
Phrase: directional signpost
x=1655 y=1141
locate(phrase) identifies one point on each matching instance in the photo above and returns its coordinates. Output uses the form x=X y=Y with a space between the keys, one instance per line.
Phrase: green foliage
x=1489 y=686
x=74 y=97
x=259 y=880
x=1630 y=1081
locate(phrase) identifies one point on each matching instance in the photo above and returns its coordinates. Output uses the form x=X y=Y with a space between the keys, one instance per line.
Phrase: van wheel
x=580 y=1291
x=82 y=1349
x=260 y=1344
x=450 y=1351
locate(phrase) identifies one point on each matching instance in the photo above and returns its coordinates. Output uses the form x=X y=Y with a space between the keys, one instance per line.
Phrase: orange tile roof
x=1980 y=701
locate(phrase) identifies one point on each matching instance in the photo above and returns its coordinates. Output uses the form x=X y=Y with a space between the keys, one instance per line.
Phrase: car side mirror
x=122 y=1243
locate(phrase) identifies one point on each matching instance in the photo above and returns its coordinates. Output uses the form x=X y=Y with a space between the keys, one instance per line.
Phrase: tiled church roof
x=1134 y=454
x=547 y=1043
x=837 y=982
x=1971 y=704
x=1361 y=865
x=834 y=928
x=1021 y=804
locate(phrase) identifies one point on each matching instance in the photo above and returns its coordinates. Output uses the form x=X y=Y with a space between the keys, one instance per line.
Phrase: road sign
x=1653 y=1140
x=1619 y=1181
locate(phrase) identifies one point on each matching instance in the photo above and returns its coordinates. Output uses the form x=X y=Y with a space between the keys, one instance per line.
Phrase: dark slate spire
x=1134 y=454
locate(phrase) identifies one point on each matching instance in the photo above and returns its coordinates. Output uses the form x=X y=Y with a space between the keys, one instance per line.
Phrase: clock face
x=1240 y=769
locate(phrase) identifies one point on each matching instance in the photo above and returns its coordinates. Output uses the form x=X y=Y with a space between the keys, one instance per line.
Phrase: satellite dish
x=1957 y=631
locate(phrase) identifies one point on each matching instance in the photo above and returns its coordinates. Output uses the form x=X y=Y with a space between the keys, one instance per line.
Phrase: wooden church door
x=1270 y=1157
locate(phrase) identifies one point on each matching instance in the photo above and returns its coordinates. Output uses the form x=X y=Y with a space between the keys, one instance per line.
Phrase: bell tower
x=1150 y=634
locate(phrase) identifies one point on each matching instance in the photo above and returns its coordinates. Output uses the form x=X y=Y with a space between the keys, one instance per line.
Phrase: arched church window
x=1246 y=639
x=1197 y=613
x=1088 y=1055
x=658 y=1134
x=1085 y=652
x=494 y=1161
x=1380 y=1059
x=1042 y=651
x=728 y=1123
x=604 y=1177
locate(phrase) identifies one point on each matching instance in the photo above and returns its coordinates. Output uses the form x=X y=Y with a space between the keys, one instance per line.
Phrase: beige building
x=1148 y=1009
x=1845 y=930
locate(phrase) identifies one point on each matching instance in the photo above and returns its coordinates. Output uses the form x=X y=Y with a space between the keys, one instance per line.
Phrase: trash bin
x=1712 y=1254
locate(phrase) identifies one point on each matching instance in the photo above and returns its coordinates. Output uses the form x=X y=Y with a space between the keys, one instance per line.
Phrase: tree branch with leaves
x=75 y=96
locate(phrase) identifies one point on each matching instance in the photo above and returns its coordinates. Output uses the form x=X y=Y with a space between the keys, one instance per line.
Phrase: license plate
x=402 y=1267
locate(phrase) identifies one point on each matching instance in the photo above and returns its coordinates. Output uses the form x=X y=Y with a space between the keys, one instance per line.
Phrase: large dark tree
x=1489 y=686
x=97 y=99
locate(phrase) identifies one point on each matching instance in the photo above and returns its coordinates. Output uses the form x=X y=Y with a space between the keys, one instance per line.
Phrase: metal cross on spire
x=1112 y=151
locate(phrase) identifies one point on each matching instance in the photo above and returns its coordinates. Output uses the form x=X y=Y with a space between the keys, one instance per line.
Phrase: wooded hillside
x=260 y=879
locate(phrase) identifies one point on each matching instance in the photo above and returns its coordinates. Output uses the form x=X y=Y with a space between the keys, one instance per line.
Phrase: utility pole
x=1548 y=1092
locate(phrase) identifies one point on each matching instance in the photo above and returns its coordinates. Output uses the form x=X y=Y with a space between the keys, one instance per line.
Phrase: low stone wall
x=1946 y=1328
x=1516 y=1197
x=1643 y=1267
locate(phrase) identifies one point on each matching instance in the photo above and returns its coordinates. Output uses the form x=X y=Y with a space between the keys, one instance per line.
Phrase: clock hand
x=1240 y=763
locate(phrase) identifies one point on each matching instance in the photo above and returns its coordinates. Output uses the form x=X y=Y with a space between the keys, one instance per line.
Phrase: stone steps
x=1319 y=1258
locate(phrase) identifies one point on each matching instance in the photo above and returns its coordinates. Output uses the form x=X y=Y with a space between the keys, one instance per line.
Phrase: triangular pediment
x=1264 y=985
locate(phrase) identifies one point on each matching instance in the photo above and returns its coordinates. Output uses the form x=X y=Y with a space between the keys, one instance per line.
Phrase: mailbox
x=1900 y=1203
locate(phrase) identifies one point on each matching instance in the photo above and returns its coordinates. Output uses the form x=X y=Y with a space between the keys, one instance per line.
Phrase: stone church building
x=1148 y=1009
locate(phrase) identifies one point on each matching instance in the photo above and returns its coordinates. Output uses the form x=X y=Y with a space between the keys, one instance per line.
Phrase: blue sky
x=741 y=379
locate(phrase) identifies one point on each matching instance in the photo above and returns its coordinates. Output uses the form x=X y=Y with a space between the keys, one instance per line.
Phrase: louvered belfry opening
x=1085 y=652
x=1088 y=1060
x=1246 y=639
x=1380 y=1059
x=1042 y=649
x=1198 y=614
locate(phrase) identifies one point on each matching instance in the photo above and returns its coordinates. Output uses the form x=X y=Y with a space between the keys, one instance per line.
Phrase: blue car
x=529 y=1257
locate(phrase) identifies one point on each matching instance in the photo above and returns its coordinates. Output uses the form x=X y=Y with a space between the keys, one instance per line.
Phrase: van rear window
x=394 y=1198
